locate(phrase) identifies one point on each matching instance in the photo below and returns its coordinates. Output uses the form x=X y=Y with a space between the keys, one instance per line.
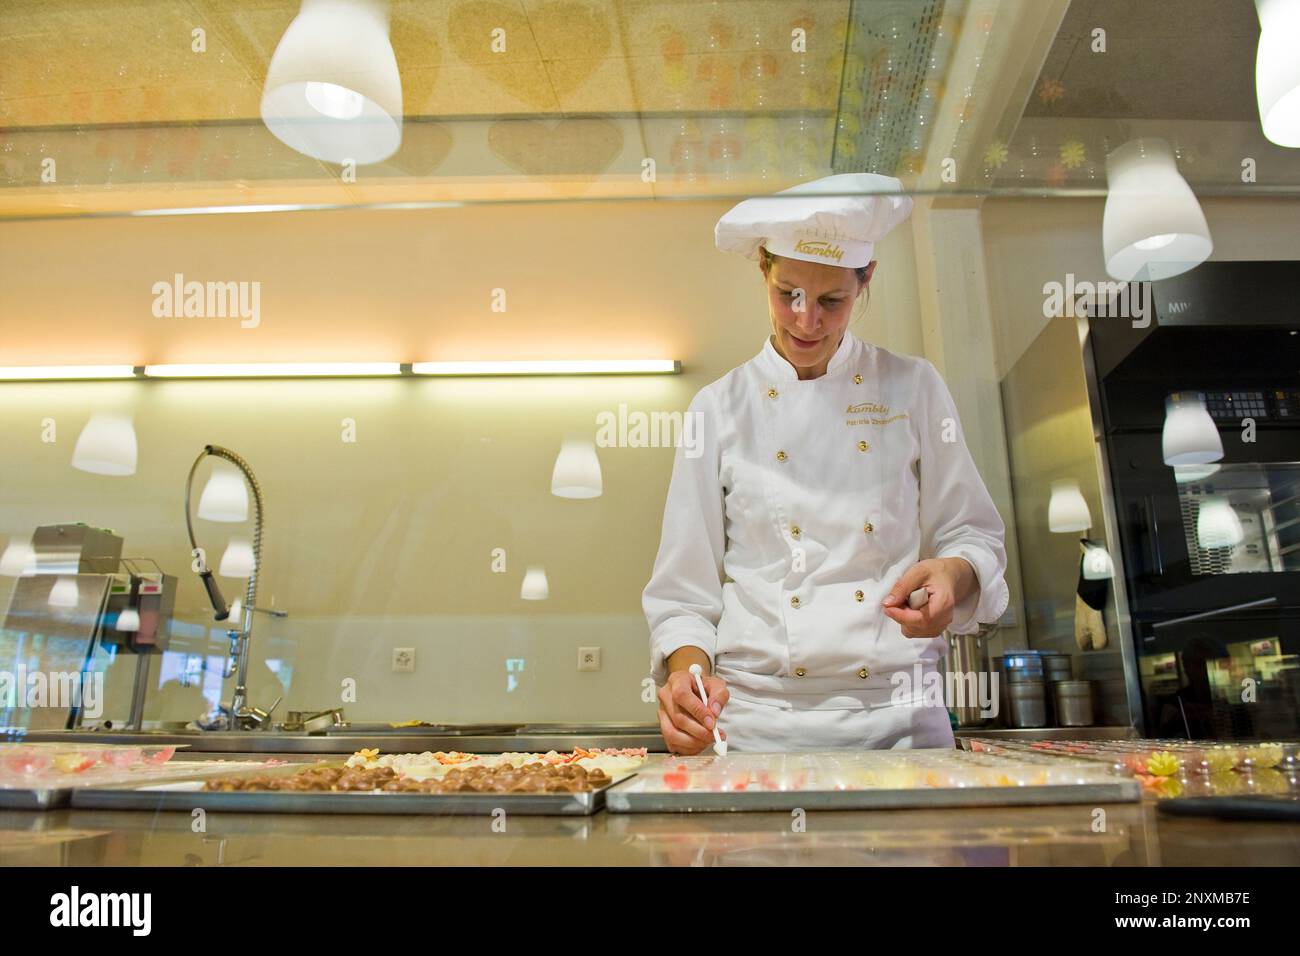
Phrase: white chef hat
x=826 y=220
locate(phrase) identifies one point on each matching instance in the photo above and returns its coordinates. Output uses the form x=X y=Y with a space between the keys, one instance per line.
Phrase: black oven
x=1176 y=558
x=1220 y=677
x=1211 y=549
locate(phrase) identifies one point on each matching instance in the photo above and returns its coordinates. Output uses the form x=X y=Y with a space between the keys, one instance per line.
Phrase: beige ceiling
x=75 y=62
x=1189 y=59
x=1181 y=70
x=587 y=89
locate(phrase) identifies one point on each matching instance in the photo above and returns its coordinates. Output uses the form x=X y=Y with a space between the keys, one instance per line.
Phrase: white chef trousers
x=773 y=727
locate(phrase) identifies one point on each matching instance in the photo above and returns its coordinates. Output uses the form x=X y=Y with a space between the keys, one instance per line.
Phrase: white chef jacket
x=785 y=527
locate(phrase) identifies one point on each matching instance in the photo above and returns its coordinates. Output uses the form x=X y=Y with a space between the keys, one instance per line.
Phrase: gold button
x=794 y=601
x=799 y=672
x=771 y=393
x=863 y=673
x=868 y=528
x=858 y=595
x=781 y=456
x=863 y=446
x=794 y=531
x=857 y=380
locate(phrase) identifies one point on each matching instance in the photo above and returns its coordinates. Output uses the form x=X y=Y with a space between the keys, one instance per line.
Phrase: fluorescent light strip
x=281 y=207
x=610 y=367
x=276 y=370
x=39 y=373
x=69 y=373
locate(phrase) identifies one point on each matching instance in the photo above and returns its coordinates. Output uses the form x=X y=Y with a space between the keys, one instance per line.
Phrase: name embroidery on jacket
x=872 y=408
x=876 y=421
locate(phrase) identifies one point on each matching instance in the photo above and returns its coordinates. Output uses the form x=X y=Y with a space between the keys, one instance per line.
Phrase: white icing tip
x=720 y=748
x=697 y=670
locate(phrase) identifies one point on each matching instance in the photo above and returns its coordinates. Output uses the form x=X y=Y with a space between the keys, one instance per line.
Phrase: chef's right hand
x=686 y=724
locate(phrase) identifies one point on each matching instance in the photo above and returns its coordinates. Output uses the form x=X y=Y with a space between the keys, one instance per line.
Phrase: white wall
x=387 y=541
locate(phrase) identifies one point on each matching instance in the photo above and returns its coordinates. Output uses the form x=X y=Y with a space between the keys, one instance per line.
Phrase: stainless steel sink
x=478 y=738
x=423 y=730
x=627 y=727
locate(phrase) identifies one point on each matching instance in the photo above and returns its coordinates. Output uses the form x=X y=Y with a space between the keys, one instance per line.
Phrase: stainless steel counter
x=1050 y=733
x=268 y=742
x=1135 y=835
x=533 y=738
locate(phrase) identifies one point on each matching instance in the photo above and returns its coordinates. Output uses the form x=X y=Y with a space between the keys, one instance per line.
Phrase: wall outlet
x=403 y=660
x=589 y=658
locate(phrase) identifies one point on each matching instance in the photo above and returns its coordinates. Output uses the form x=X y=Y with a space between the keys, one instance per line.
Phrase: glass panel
x=1243 y=518
x=635 y=99
x=1223 y=678
x=557 y=201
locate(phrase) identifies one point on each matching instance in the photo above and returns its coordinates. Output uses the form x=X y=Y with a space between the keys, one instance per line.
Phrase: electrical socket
x=589 y=658
x=403 y=660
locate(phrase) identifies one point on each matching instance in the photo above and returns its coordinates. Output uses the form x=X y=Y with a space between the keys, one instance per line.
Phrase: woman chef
x=830 y=481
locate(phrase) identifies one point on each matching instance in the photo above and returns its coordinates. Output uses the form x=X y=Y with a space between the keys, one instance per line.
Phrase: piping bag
x=719 y=745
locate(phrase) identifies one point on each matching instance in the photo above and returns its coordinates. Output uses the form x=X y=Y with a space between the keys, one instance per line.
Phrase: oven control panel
x=1261 y=404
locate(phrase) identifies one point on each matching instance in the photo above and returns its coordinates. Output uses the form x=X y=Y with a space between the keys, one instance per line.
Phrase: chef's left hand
x=947 y=579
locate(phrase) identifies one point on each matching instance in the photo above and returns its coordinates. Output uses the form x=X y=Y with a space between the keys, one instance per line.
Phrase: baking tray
x=59 y=797
x=189 y=795
x=51 y=795
x=648 y=792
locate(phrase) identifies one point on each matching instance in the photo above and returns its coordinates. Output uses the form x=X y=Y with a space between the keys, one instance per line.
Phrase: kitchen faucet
x=242 y=716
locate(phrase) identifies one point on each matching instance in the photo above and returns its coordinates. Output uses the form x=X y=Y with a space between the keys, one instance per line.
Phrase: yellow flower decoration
x=1073 y=154
x=368 y=755
x=1162 y=763
x=1050 y=91
x=1168 y=787
x=996 y=155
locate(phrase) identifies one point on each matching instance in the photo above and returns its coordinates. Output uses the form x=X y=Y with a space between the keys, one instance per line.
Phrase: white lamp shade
x=1097 y=564
x=1217 y=524
x=1190 y=436
x=18 y=560
x=1153 y=227
x=237 y=561
x=332 y=89
x=106 y=446
x=1066 y=510
x=65 y=593
x=1186 y=474
x=225 y=497
x=1277 y=71
x=577 y=471
x=128 y=620
x=535 y=587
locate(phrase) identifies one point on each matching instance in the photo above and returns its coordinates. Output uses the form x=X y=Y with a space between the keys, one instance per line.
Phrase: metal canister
x=1027 y=704
x=1057 y=667
x=1022 y=666
x=1073 y=703
x=968 y=655
x=1014 y=667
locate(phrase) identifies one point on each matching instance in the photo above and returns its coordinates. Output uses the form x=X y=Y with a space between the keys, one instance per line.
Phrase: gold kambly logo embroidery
x=872 y=408
x=869 y=407
x=818 y=247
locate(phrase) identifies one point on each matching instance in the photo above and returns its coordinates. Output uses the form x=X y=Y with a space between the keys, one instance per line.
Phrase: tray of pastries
x=42 y=776
x=371 y=782
x=864 y=780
